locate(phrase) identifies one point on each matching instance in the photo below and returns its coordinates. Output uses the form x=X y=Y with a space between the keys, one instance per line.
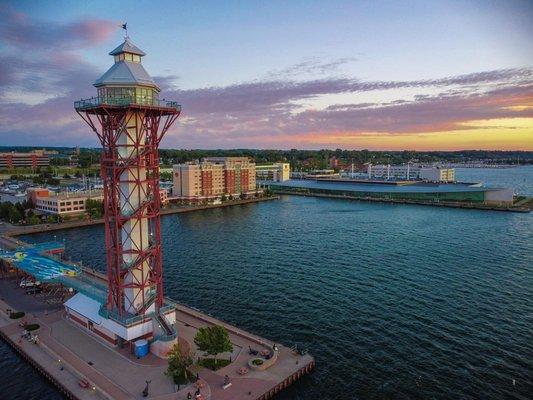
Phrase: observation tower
x=130 y=120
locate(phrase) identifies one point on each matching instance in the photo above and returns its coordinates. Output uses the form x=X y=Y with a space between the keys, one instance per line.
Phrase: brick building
x=214 y=177
x=33 y=159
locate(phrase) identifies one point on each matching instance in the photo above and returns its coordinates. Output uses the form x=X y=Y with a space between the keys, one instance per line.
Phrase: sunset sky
x=417 y=75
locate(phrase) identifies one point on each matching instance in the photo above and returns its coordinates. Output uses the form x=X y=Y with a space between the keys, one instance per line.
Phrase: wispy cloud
x=309 y=66
x=262 y=113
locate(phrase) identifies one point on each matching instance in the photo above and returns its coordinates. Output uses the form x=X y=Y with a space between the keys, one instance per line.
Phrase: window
x=128 y=57
x=136 y=58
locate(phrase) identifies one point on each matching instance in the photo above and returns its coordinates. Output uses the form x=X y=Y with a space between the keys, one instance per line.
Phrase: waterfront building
x=239 y=174
x=32 y=159
x=69 y=203
x=277 y=172
x=429 y=194
x=214 y=177
x=410 y=172
x=437 y=174
x=33 y=193
x=64 y=203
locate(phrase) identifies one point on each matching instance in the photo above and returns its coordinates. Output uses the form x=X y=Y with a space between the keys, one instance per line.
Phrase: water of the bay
x=394 y=301
x=518 y=178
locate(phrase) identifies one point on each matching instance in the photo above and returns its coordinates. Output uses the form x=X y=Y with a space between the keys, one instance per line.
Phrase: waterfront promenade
x=13 y=230
x=67 y=355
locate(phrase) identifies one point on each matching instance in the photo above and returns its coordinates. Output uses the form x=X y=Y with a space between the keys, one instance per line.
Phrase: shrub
x=212 y=364
x=257 y=361
x=34 y=220
x=179 y=361
x=32 y=327
x=17 y=315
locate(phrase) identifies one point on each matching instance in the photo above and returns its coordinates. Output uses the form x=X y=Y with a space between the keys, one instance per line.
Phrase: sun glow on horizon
x=492 y=134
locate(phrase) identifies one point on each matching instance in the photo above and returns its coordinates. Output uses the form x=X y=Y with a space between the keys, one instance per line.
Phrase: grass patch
x=210 y=363
x=17 y=315
x=32 y=327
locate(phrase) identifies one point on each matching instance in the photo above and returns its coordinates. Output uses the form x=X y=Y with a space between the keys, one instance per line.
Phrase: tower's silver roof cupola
x=127 y=70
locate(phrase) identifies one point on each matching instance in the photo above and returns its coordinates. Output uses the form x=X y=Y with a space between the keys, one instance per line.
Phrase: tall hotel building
x=214 y=177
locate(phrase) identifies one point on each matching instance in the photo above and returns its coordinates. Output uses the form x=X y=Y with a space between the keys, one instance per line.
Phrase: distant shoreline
x=31 y=229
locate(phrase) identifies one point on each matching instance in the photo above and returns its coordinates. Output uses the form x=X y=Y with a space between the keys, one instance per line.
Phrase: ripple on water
x=395 y=302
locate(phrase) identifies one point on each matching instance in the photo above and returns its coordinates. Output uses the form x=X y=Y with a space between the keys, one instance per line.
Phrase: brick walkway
x=119 y=377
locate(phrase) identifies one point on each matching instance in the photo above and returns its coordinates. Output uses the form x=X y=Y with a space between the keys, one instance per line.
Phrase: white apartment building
x=410 y=172
x=436 y=174
x=277 y=172
x=65 y=203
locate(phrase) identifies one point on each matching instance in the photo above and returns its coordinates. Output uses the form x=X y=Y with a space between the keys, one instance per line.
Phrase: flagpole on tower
x=125 y=27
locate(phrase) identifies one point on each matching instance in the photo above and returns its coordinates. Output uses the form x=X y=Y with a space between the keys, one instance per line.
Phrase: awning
x=85 y=306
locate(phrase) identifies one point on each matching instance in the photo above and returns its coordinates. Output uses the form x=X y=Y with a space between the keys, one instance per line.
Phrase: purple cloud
x=253 y=114
x=19 y=30
x=248 y=113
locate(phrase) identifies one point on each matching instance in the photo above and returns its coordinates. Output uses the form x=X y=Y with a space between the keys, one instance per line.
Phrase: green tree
x=33 y=220
x=53 y=218
x=95 y=208
x=165 y=176
x=4 y=209
x=14 y=215
x=179 y=360
x=213 y=340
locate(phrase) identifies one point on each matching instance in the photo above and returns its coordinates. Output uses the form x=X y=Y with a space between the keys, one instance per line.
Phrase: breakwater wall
x=464 y=205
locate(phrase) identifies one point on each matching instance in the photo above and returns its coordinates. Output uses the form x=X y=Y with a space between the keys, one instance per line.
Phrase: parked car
x=34 y=290
x=26 y=283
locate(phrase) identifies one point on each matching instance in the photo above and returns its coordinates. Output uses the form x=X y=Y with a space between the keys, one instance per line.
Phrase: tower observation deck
x=130 y=120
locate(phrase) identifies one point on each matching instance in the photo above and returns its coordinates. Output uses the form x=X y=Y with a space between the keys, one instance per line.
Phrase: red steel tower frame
x=144 y=126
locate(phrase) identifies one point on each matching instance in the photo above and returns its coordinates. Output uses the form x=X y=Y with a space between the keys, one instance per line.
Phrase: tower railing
x=122 y=101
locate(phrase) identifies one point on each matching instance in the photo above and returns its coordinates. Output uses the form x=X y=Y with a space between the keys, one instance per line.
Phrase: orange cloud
x=493 y=134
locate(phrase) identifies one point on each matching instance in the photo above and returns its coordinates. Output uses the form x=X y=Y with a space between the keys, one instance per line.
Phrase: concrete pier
x=84 y=366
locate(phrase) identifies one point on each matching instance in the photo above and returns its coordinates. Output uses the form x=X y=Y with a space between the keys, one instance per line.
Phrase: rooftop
x=34 y=262
x=74 y=195
x=126 y=73
x=363 y=187
x=127 y=47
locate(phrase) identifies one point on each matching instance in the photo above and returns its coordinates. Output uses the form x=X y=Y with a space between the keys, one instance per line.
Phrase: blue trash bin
x=142 y=348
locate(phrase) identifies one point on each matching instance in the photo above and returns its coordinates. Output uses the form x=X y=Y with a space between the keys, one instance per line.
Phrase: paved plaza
x=117 y=374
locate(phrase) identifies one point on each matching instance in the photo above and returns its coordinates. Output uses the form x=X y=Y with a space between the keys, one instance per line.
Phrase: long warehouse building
x=415 y=192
